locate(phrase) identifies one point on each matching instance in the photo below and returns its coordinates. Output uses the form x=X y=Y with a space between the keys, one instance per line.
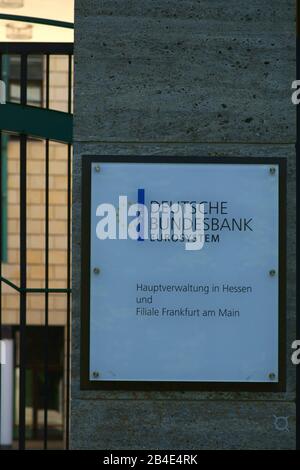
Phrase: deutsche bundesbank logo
x=157 y=221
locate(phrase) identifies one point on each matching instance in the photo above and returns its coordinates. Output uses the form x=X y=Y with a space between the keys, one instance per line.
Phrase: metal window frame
x=48 y=131
x=36 y=20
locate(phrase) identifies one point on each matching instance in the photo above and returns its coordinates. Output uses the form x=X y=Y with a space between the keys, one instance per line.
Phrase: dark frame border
x=85 y=382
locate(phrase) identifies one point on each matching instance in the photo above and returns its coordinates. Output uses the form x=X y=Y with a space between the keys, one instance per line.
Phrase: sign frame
x=85 y=382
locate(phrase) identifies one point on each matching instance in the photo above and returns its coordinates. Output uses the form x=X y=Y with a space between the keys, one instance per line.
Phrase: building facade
x=184 y=78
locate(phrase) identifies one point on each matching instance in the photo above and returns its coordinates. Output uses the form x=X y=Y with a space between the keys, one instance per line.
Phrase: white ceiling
x=62 y=10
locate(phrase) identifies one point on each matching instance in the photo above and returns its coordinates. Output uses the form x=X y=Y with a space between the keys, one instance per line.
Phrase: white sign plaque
x=161 y=309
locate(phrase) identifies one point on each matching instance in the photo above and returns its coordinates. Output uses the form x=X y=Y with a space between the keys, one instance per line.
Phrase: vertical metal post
x=46 y=326
x=4 y=144
x=23 y=262
x=69 y=202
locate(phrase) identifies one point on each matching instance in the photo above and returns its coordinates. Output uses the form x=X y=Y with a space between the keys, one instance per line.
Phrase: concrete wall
x=183 y=77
